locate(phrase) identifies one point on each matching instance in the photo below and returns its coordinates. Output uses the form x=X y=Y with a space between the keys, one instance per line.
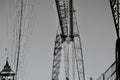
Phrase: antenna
x=6 y=53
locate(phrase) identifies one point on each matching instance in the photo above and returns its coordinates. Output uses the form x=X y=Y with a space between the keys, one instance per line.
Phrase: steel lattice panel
x=109 y=74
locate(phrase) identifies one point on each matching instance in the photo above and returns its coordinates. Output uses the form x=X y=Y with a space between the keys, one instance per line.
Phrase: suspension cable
x=19 y=42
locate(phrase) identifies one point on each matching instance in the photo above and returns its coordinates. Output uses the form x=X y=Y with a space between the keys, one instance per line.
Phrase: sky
x=97 y=33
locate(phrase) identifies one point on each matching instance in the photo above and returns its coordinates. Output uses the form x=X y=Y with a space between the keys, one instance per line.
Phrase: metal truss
x=57 y=57
x=115 y=7
x=116 y=14
x=78 y=50
x=68 y=58
x=65 y=14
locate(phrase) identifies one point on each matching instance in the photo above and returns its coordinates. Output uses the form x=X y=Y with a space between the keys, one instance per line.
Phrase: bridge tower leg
x=115 y=8
x=68 y=57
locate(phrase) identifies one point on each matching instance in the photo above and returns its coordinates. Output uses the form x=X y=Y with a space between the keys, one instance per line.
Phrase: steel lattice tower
x=68 y=58
x=115 y=7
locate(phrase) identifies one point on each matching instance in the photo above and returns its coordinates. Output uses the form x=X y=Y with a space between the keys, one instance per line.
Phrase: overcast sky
x=96 y=29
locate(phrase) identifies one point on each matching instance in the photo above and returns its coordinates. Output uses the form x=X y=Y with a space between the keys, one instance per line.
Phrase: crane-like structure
x=68 y=58
x=115 y=7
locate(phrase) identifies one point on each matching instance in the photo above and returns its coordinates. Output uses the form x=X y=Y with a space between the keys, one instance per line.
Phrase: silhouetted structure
x=113 y=72
x=115 y=5
x=7 y=73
